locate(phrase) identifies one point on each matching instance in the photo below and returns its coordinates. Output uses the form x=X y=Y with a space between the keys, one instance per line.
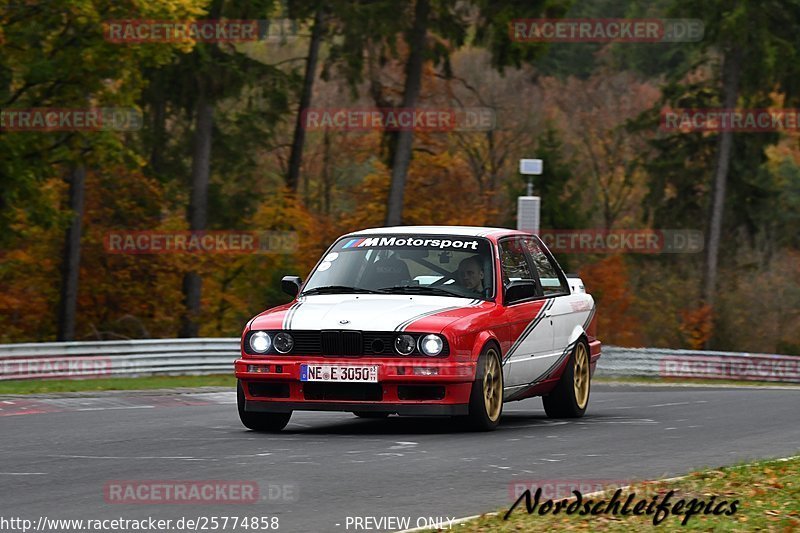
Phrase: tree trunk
x=198 y=208
x=401 y=155
x=296 y=155
x=71 y=259
x=327 y=174
x=158 y=124
x=730 y=89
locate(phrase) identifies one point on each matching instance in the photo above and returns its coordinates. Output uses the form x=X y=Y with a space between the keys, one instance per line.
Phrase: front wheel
x=570 y=397
x=263 y=422
x=486 y=398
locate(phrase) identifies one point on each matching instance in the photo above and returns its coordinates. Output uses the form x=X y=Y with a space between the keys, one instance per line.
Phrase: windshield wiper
x=421 y=289
x=338 y=289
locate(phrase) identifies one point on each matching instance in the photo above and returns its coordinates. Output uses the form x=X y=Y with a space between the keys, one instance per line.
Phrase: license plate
x=340 y=373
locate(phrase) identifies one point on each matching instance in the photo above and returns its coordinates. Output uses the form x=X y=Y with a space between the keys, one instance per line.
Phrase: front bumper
x=407 y=409
x=405 y=386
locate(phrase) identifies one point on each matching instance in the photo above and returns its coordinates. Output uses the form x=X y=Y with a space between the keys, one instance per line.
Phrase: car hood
x=368 y=312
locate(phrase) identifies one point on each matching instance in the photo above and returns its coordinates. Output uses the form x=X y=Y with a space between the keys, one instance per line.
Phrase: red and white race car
x=422 y=320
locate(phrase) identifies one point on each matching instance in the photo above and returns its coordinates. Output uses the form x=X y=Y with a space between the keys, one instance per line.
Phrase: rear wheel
x=570 y=397
x=265 y=422
x=371 y=414
x=486 y=398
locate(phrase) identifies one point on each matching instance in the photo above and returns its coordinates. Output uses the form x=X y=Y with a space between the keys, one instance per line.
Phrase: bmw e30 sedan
x=422 y=320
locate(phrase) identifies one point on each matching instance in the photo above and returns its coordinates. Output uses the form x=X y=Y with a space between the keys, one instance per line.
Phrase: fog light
x=425 y=371
x=258 y=369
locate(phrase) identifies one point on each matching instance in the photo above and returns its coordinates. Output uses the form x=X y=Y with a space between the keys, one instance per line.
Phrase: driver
x=470 y=274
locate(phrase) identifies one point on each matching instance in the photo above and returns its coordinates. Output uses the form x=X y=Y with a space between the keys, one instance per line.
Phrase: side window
x=548 y=277
x=513 y=261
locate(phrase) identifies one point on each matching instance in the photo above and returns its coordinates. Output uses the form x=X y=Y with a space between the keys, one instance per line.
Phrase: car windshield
x=439 y=265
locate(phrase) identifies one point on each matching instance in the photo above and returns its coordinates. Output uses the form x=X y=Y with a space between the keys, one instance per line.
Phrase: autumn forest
x=220 y=143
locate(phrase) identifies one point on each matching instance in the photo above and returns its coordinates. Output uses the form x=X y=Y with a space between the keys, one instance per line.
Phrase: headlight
x=404 y=344
x=283 y=342
x=260 y=342
x=431 y=344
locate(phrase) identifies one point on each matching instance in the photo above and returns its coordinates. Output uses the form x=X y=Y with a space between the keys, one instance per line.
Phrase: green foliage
x=492 y=30
x=680 y=173
x=58 y=58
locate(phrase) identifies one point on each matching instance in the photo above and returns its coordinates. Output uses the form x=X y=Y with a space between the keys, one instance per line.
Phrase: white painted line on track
x=676 y=403
x=148 y=458
x=116 y=408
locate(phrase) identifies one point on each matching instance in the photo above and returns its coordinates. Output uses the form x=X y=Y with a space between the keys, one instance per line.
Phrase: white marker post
x=528 y=207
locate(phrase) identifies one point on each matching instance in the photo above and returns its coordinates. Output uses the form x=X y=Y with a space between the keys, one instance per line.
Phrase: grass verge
x=768 y=493
x=81 y=385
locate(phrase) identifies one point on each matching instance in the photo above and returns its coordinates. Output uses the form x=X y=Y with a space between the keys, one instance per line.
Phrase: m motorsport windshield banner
x=395 y=241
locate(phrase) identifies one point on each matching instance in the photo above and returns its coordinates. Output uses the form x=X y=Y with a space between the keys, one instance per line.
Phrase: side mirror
x=519 y=290
x=291 y=285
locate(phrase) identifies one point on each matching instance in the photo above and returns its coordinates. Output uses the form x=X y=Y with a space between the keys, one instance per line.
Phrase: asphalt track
x=57 y=454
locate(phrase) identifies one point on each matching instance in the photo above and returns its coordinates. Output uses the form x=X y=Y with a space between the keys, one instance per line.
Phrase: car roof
x=467 y=231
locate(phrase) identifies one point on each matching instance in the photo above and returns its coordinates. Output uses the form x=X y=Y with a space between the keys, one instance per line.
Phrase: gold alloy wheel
x=581 y=375
x=492 y=386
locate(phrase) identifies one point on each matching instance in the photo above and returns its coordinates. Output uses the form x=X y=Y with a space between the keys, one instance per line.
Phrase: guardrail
x=215 y=356
x=118 y=358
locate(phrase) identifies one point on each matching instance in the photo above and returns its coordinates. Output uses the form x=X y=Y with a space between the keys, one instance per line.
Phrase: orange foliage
x=125 y=295
x=441 y=191
x=369 y=202
x=607 y=281
x=697 y=325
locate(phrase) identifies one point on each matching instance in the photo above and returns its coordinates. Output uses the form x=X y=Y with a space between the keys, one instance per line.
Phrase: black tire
x=263 y=422
x=371 y=414
x=564 y=400
x=484 y=414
